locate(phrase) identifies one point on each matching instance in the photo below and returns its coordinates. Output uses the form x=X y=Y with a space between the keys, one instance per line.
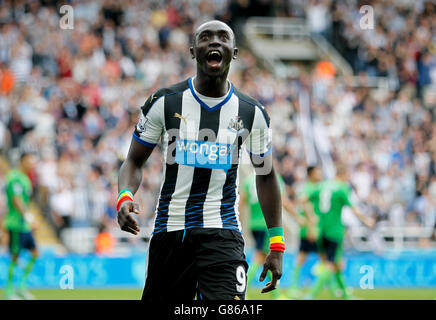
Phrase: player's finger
x=122 y=217
x=275 y=280
x=127 y=228
x=131 y=222
x=264 y=272
x=272 y=285
x=120 y=220
x=267 y=288
x=130 y=219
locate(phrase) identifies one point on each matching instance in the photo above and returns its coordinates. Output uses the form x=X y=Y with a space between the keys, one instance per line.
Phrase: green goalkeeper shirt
x=307 y=189
x=17 y=185
x=329 y=200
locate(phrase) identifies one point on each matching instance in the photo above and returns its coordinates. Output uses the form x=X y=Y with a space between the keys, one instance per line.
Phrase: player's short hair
x=310 y=169
x=200 y=23
x=97 y=168
x=25 y=154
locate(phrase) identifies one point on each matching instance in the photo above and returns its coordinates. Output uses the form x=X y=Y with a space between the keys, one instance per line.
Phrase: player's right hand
x=311 y=235
x=30 y=219
x=125 y=219
x=273 y=262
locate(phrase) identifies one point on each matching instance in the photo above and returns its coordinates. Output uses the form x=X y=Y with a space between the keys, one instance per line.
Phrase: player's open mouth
x=214 y=58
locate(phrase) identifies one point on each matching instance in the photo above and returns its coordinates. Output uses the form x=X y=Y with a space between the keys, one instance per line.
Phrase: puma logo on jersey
x=177 y=115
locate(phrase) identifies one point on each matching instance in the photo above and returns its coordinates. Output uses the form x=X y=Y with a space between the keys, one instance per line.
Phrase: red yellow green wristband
x=124 y=195
x=276 y=239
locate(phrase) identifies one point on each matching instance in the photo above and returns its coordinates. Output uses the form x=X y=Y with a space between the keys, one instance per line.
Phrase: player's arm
x=145 y=137
x=18 y=203
x=130 y=177
x=367 y=221
x=269 y=195
x=311 y=217
x=4 y=235
x=291 y=209
x=14 y=190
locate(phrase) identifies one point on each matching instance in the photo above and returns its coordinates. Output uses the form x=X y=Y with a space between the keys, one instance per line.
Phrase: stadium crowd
x=73 y=97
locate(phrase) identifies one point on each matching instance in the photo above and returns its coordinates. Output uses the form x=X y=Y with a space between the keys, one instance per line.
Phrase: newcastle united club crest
x=236 y=124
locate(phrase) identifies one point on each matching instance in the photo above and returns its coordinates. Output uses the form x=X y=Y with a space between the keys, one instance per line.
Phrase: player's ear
x=191 y=49
x=235 y=53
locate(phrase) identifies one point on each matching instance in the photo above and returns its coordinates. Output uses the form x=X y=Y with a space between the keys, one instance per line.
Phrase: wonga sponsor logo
x=204 y=154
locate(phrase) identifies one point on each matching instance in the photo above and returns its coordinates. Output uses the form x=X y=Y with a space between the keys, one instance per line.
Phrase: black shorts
x=20 y=240
x=209 y=263
x=308 y=246
x=330 y=248
x=259 y=238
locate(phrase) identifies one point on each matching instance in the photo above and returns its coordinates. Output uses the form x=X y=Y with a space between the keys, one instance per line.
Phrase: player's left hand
x=273 y=262
x=370 y=222
x=30 y=218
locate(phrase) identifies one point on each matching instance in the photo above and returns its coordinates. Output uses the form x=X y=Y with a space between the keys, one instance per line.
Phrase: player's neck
x=214 y=87
x=21 y=169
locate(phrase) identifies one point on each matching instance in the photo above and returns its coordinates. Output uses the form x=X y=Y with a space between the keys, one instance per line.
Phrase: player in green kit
x=308 y=223
x=257 y=225
x=18 y=224
x=328 y=200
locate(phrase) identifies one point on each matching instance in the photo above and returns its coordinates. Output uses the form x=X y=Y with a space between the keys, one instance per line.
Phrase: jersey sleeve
x=258 y=142
x=14 y=188
x=150 y=126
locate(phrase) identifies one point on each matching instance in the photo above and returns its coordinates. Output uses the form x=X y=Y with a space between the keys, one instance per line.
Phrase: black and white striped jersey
x=201 y=146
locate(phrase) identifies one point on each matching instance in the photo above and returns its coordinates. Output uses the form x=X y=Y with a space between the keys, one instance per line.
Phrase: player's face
x=214 y=48
x=317 y=174
x=344 y=176
x=29 y=163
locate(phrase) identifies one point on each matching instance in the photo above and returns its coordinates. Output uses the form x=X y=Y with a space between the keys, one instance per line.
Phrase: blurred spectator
x=62 y=207
x=6 y=80
x=104 y=241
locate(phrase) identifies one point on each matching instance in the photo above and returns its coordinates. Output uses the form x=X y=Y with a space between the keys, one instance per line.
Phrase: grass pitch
x=253 y=294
